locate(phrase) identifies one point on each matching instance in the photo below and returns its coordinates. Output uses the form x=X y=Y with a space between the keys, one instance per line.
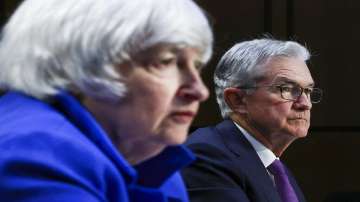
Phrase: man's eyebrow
x=285 y=80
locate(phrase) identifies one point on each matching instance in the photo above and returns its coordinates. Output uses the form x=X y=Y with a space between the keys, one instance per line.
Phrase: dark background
x=327 y=161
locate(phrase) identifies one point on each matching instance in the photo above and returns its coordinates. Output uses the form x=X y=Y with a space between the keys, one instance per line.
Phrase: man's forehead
x=287 y=70
x=293 y=81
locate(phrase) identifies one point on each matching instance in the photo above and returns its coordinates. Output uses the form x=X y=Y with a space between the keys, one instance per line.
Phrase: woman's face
x=164 y=90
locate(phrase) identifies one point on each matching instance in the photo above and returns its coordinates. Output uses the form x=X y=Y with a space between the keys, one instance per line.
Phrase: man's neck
x=277 y=143
x=265 y=154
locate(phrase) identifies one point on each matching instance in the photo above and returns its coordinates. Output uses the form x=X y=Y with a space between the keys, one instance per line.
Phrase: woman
x=99 y=95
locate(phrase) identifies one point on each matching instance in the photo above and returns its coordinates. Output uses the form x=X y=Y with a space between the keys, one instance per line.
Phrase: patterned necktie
x=283 y=186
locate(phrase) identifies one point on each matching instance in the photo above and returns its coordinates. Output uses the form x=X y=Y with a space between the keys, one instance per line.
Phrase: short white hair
x=242 y=64
x=53 y=45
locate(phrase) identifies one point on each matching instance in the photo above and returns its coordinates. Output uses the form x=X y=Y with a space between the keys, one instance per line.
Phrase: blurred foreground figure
x=265 y=92
x=99 y=94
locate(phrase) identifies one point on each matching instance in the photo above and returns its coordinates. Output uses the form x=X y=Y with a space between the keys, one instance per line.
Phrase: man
x=265 y=92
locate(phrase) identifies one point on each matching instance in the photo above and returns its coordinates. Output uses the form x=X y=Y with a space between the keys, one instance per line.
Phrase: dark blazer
x=228 y=168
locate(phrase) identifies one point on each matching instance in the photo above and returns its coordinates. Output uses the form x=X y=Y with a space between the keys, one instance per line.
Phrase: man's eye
x=308 y=91
x=286 y=88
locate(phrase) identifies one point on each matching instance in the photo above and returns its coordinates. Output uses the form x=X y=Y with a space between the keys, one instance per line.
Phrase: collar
x=79 y=116
x=165 y=164
x=247 y=157
x=266 y=155
x=172 y=159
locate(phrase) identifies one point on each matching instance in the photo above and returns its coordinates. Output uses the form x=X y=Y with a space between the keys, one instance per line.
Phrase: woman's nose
x=194 y=88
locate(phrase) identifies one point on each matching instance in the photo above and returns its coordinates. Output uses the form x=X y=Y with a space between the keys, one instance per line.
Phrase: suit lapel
x=248 y=159
x=297 y=189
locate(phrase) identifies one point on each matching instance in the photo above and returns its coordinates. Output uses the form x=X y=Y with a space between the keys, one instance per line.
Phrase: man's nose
x=303 y=102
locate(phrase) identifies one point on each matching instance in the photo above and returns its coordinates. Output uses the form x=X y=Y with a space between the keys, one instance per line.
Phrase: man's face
x=270 y=114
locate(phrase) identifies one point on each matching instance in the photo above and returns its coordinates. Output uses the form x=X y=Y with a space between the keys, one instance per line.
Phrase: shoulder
x=203 y=135
x=35 y=127
x=215 y=175
x=22 y=114
x=215 y=162
x=210 y=135
x=69 y=169
x=46 y=158
x=222 y=155
x=42 y=151
x=215 y=140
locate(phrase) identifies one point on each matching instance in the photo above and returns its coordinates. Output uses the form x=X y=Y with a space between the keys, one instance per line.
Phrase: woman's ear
x=235 y=99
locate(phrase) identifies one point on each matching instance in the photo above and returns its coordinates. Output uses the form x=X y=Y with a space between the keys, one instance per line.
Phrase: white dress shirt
x=266 y=155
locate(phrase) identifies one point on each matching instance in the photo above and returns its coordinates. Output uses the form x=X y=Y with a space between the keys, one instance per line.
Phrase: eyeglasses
x=293 y=92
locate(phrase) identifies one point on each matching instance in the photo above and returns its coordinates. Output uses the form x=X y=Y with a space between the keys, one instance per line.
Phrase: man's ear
x=234 y=98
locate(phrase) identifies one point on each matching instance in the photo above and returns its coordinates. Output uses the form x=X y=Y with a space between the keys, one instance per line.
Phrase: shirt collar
x=266 y=155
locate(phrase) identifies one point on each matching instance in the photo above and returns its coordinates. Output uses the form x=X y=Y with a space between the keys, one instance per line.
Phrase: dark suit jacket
x=228 y=168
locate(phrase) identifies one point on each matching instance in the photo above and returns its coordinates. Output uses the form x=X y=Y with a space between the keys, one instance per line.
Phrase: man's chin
x=301 y=134
x=297 y=133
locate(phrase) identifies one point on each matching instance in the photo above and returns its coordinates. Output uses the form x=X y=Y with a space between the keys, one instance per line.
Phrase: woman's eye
x=168 y=61
x=199 y=65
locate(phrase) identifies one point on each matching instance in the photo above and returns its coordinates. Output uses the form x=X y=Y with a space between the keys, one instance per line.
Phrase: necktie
x=283 y=186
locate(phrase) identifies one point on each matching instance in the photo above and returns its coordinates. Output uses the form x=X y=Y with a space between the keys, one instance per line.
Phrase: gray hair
x=243 y=64
x=53 y=45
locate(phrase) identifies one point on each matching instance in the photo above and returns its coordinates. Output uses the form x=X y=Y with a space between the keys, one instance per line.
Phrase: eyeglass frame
x=281 y=88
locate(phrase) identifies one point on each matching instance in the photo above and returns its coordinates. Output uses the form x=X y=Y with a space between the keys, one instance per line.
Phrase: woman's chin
x=175 y=137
